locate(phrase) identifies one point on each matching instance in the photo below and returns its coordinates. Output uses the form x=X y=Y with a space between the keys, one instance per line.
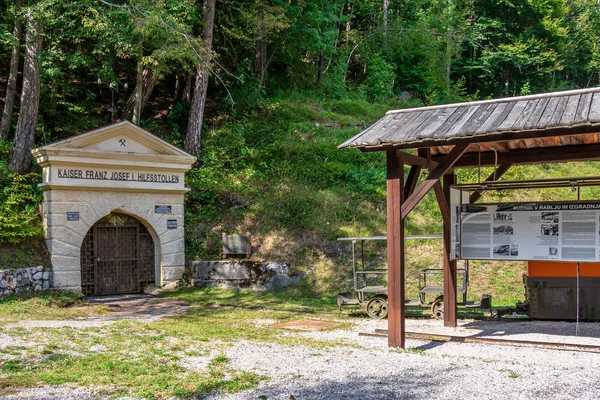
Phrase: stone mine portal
x=113 y=210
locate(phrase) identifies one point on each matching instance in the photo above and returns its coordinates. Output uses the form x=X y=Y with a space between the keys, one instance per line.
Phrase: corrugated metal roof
x=439 y=124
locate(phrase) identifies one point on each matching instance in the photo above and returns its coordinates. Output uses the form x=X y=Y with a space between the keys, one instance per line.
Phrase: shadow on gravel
x=430 y=345
x=409 y=385
x=506 y=329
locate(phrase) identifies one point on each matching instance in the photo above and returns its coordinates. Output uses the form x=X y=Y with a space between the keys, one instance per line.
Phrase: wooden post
x=249 y=245
x=449 y=265
x=395 y=250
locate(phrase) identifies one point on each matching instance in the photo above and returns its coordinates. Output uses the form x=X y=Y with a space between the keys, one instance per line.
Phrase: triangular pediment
x=122 y=137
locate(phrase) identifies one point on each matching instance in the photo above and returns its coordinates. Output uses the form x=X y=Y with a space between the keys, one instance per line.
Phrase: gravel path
x=428 y=370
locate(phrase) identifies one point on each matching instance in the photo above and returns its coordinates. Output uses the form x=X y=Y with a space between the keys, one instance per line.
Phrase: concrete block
x=170 y=235
x=65 y=244
x=63 y=263
x=172 y=273
x=175 y=259
x=229 y=271
x=178 y=246
x=202 y=269
x=67 y=280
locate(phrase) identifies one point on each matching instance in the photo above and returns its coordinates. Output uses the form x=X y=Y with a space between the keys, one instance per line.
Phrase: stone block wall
x=242 y=274
x=64 y=237
x=25 y=280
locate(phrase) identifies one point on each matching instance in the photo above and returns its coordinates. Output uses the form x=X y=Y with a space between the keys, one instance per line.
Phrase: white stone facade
x=93 y=175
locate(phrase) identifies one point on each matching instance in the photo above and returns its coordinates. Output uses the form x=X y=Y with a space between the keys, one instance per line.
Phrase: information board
x=526 y=231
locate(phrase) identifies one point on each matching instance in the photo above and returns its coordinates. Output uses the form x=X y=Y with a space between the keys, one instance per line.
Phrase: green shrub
x=379 y=83
x=20 y=199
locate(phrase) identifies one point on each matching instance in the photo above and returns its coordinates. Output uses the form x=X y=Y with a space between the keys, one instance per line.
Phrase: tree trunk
x=349 y=22
x=176 y=90
x=321 y=67
x=138 y=93
x=187 y=90
x=20 y=155
x=11 y=89
x=138 y=99
x=194 y=130
x=54 y=95
x=260 y=60
x=386 y=6
x=448 y=46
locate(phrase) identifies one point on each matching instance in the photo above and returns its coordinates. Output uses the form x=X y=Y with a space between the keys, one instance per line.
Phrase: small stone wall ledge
x=14 y=281
x=243 y=274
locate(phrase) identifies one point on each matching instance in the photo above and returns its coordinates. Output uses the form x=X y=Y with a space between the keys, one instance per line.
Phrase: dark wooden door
x=116 y=259
x=117 y=256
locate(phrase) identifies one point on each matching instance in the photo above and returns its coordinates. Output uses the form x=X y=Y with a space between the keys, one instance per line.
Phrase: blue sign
x=160 y=209
x=72 y=215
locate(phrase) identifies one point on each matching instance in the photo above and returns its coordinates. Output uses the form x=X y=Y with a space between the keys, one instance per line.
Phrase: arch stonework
x=90 y=176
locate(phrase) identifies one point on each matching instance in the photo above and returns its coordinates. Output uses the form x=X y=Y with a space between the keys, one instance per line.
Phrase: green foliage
x=20 y=198
x=246 y=92
x=279 y=169
x=379 y=82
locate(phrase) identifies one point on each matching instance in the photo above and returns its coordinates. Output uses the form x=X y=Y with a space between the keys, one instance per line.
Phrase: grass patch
x=180 y=356
x=29 y=254
x=144 y=376
x=47 y=305
x=291 y=299
x=152 y=360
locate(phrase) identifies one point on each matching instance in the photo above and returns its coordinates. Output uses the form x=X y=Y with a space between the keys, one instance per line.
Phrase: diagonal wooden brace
x=501 y=170
x=434 y=176
x=443 y=203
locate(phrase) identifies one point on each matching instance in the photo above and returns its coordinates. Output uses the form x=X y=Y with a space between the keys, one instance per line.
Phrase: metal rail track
x=382 y=333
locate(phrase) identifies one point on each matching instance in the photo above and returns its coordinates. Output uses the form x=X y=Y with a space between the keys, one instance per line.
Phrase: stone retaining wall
x=25 y=280
x=243 y=274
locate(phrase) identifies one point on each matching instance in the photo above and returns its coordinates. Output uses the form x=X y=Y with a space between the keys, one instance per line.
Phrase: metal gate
x=117 y=256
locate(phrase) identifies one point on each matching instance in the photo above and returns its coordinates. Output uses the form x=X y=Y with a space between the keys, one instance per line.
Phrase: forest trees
x=194 y=130
x=20 y=156
x=11 y=85
x=241 y=51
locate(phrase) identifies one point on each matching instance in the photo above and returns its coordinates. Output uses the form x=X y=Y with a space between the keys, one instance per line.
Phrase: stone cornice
x=92 y=157
x=55 y=186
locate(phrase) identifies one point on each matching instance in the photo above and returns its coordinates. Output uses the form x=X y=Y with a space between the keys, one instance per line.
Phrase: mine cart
x=370 y=285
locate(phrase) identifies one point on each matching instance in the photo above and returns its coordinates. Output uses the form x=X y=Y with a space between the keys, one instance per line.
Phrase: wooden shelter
x=551 y=127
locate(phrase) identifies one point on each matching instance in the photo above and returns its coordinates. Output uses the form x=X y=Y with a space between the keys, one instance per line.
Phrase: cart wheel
x=377 y=308
x=437 y=308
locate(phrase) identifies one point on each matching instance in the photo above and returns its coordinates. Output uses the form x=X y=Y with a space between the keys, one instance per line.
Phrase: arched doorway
x=117 y=256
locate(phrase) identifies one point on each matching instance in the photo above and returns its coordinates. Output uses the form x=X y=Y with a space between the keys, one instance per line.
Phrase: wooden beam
x=411 y=180
x=395 y=250
x=499 y=146
x=434 y=176
x=501 y=170
x=411 y=159
x=441 y=198
x=449 y=265
x=530 y=156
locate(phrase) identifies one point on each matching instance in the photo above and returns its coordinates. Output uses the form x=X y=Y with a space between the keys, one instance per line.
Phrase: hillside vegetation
x=271 y=89
x=279 y=175
x=276 y=172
